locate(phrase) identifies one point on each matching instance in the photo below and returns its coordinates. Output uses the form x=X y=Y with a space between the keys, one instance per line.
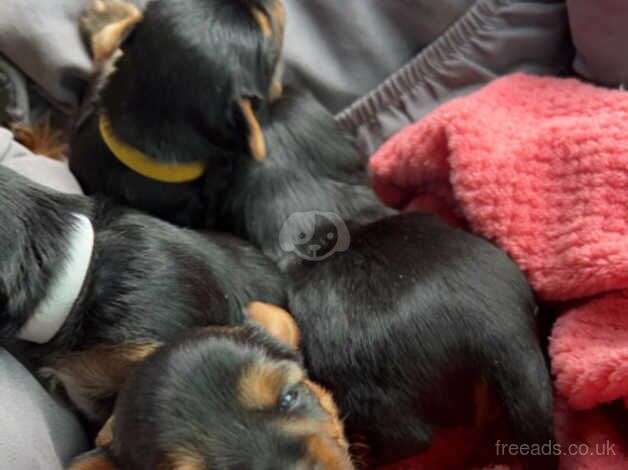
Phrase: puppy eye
x=289 y=400
x=302 y=236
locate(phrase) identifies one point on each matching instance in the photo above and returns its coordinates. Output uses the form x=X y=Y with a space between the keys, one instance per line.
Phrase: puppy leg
x=104 y=24
x=93 y=377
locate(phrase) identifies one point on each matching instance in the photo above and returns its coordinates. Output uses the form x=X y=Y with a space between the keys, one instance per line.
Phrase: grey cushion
x=493 y=38
x=37 y=433
x=341 y=50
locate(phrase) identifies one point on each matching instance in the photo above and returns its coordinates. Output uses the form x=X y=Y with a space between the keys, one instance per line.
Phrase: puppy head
x=228 y=398
x=190 y=77
x=313 y=179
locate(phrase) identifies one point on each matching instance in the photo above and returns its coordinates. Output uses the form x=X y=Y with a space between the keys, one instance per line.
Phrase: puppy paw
x=102 y=13
x=105 y=22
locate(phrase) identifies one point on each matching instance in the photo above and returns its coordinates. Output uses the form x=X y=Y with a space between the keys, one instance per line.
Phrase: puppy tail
x=41 y=138
x=523 y=387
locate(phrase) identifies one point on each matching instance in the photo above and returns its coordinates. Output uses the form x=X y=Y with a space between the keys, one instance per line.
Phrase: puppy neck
x=65 y=285
x=139 y=162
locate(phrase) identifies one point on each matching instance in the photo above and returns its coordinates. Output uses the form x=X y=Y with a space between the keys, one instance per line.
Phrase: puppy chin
x=64 y=289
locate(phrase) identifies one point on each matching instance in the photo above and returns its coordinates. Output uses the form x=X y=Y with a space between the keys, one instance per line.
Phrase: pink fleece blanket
x=539 y=166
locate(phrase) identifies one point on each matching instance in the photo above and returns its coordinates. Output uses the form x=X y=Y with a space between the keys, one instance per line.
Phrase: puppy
x=414 y=326
x=94 y=287
x=224 y=397
x=175 y=94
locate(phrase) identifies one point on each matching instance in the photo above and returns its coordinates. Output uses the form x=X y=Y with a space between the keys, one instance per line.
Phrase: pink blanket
x=539 y=166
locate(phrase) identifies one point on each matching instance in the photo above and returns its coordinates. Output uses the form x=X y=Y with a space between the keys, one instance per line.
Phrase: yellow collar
x=145 y=165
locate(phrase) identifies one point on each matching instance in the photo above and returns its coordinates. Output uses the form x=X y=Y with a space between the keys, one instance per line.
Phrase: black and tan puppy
x=93 y=286
x=229 y=398
x=414 y=326
x=175 y=95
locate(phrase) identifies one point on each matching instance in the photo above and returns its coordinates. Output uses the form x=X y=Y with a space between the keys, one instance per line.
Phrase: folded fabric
x=539 y=166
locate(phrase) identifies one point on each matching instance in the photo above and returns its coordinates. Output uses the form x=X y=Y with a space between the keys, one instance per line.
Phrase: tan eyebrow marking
x=261 y=384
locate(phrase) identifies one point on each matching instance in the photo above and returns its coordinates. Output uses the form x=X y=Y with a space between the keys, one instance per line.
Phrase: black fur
x=174 y=95
x=402 y=325
x=147 y=280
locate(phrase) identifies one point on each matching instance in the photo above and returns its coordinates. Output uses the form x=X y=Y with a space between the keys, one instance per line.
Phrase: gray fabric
x=343 y=49
x=36 y=433
x=14 y=102
x=51 y=173
x=600 y=34
x=493 y=38
x=41 y=37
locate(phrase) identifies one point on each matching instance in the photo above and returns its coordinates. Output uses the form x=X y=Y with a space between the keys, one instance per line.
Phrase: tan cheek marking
x=261 y=384
x=327 y=402
x=327 y=455
x=262 y=21
x=256 y=137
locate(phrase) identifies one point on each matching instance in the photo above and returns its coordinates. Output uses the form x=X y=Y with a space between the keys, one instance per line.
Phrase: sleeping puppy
x=414 y=326
x=225 y=398
x=175 y=94
x=93 y=286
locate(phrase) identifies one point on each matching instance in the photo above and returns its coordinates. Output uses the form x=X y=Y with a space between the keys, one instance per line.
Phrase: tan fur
x=279 y=13
x=42 y=139
x=105 y=22
x=105 y=436
x=97 y=373
x=327 y=402
x=260 y=386
x=263 y=21
x=327 y=455
x=278 y=322
x=182 y=459
x=257 y=144
x=98 y=461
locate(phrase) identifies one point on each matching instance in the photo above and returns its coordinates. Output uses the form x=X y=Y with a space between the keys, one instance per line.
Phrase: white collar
x=65 y=286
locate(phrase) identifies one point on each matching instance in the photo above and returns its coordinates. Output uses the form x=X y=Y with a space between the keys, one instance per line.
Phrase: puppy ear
x=105 y=23
x=94 y=460
x=257 y=144
x=276 y=321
